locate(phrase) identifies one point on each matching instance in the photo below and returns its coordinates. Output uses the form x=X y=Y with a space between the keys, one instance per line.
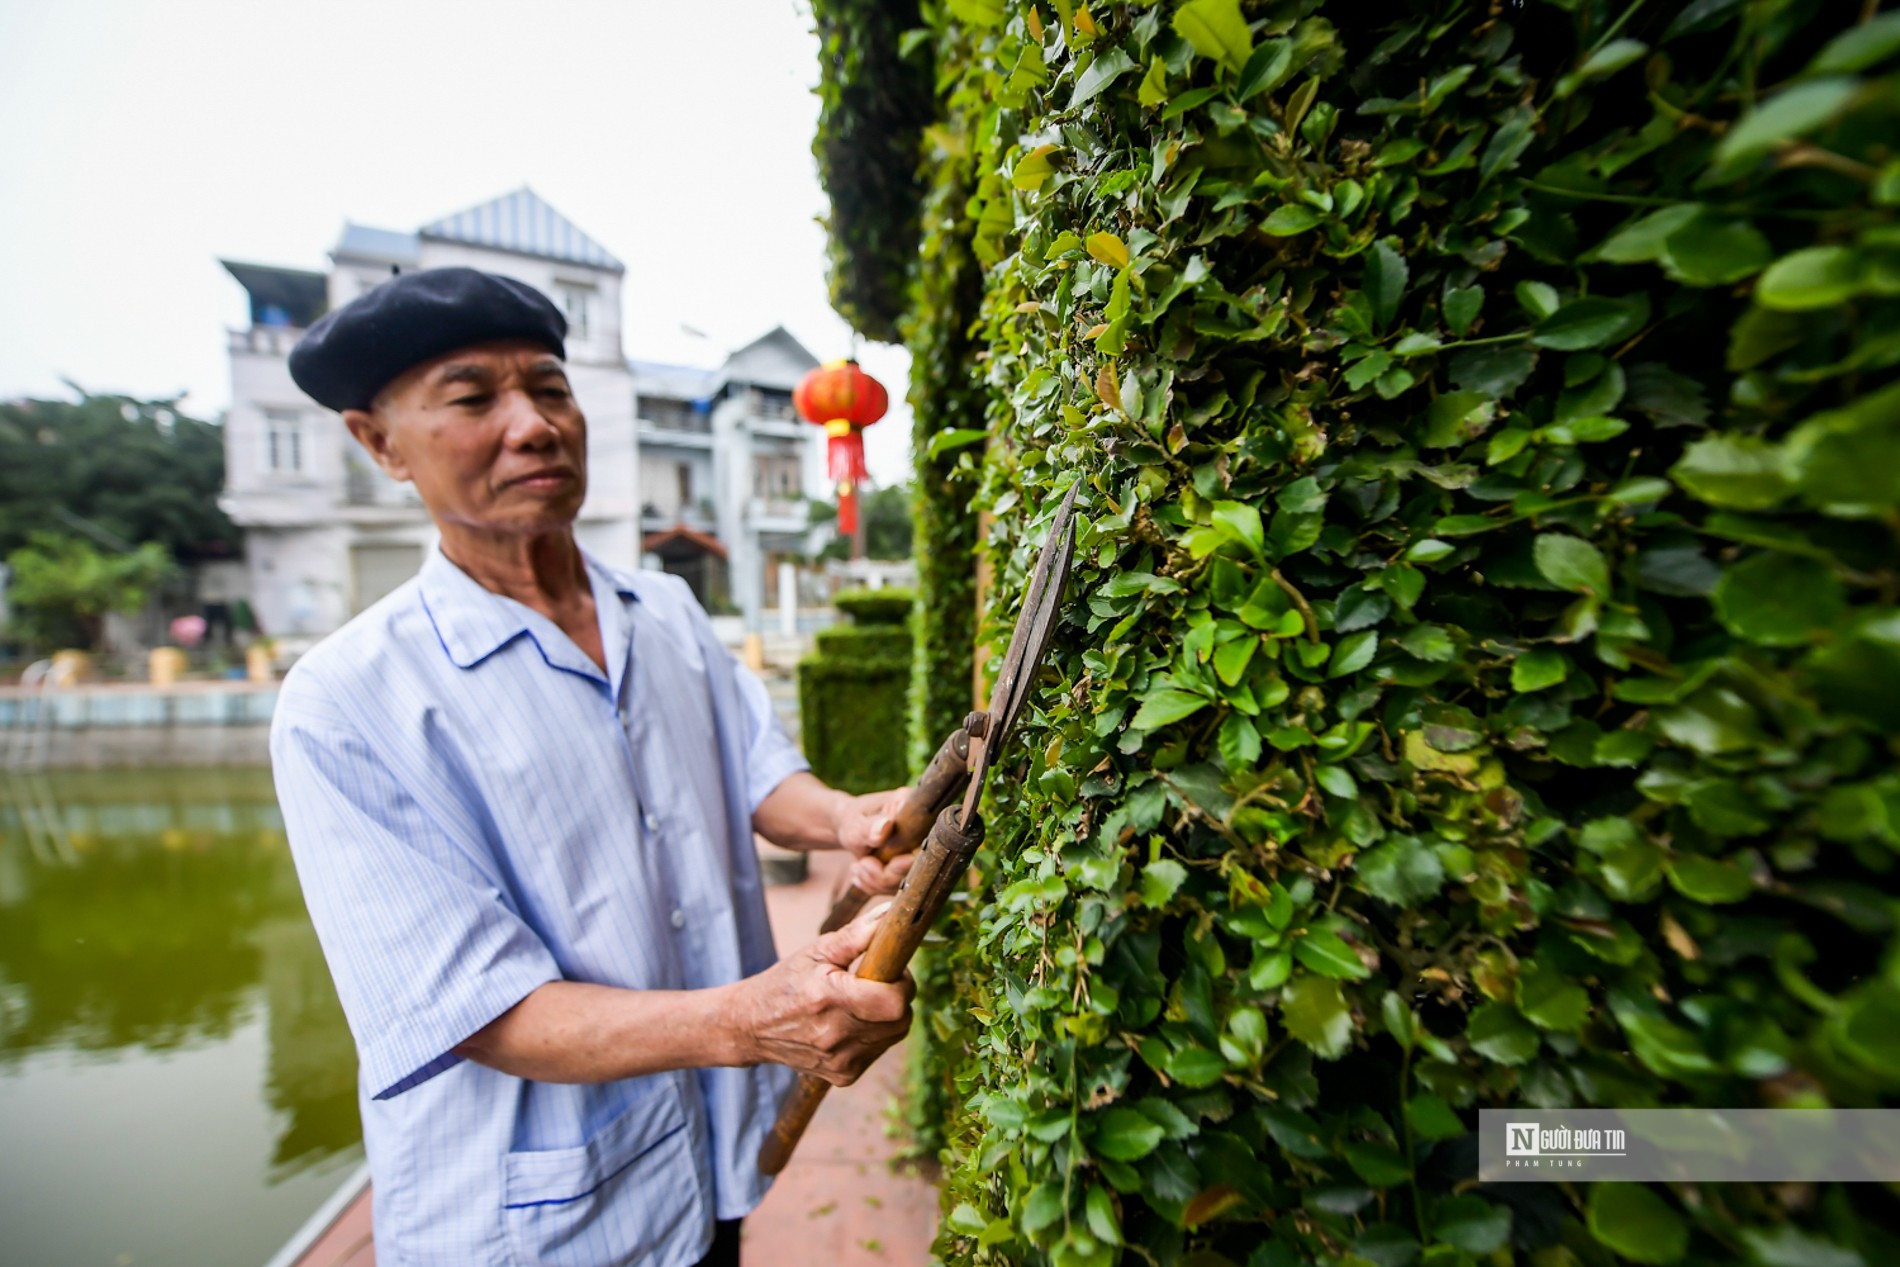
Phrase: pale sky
x=140 y=142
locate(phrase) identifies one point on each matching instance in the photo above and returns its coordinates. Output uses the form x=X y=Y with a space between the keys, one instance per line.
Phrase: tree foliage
x=138 y=470
x=1482 y=660
x=874 y=101
x=63 y=586
x=885 y=514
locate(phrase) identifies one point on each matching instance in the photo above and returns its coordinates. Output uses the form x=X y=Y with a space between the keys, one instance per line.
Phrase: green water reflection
x=176 y=1081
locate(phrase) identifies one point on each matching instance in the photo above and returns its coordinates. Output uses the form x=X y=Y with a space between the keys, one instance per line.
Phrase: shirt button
x=652 y=822
x=625 y=719
x=679 y=919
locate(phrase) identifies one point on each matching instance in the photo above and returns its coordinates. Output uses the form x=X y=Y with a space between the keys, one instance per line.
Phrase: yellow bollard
x=72 y=667
x=166 y=665
x=754 y=652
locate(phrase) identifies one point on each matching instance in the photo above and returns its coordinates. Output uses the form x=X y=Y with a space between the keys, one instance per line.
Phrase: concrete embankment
x=99 y=726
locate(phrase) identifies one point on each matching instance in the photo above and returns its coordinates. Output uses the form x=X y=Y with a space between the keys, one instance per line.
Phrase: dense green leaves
x=1481 y=656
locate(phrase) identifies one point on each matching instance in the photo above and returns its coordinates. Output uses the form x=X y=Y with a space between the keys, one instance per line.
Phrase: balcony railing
x=264 y=340
x=690 y=421
x=789 y=509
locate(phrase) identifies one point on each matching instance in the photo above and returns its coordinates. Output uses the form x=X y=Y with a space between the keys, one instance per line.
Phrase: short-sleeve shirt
x=475 y=808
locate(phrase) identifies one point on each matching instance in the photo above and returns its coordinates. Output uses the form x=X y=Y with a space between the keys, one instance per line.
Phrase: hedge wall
x=1483 y=662
x=853 y=691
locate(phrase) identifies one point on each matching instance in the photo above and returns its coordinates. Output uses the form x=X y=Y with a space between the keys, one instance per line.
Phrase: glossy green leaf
x=1779 y=600
x=1590 y=322
x=1789 y=114
x=1472 y=1224
x=1166 y=706
x=1102 y=72
x=1290 y=219
x=1572 y=563
x=1736 y=472
x=1817 y=277
x=1315 y=1012
x=1636 y=1223
x=1386 y=275
x=1498 y=1032
x=1124 y=1134
x=1217 y=30
x=1403 y=871
x=1326 y=954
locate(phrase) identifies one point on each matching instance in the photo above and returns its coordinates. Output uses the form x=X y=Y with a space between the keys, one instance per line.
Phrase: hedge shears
x=955 y=832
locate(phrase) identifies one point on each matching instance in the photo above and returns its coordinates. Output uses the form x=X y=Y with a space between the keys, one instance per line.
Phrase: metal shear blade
x=1028 y=643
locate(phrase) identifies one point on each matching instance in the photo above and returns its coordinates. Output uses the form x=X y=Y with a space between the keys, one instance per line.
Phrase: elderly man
x=521 y=792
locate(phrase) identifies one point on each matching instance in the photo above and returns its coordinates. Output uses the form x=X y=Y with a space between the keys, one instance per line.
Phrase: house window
x=775 y=478
x=283 y=440
x=577 y=304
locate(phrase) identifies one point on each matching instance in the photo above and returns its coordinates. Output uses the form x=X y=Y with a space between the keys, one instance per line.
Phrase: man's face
x=491 y=437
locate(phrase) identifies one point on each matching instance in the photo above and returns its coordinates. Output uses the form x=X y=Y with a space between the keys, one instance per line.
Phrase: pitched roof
x=676 y=382
x=281 y=296
x=522 y=223
x=774 y=359
x=362 y=241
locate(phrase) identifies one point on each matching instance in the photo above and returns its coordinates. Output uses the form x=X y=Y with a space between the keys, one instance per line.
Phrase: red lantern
x=844 y=400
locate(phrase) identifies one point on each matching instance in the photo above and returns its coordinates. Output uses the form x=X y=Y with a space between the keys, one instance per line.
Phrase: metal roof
x=674 y=382
x=281 y=296
x=522 y=223
x=389 y=246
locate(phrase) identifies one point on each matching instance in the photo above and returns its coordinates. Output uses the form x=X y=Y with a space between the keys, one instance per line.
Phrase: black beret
x=368 y=343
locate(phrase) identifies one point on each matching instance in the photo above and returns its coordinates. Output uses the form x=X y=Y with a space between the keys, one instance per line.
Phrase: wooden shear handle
x=940 y=784
x=939 y=869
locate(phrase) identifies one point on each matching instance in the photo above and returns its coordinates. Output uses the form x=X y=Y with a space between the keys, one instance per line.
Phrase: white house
x=708 y=482
x=326 y=533
x=725 y=468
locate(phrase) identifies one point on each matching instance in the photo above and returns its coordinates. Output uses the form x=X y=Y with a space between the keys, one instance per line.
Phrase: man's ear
x=372 y=432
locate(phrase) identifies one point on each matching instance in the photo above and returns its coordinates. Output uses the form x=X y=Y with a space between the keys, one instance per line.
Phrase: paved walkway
x=838 y=1204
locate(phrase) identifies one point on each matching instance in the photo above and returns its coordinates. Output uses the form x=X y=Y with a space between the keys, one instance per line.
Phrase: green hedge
x=853 y=693
x=889 y=606
x=949 y=408
x=865 y=642
x=853 y=714
x=1482 y=664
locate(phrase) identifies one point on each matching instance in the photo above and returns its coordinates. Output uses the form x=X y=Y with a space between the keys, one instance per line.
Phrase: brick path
x=838 y=1204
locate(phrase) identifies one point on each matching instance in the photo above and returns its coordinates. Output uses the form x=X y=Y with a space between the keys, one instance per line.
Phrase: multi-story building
x=726 y=466
x=709 y=482
x=325 y=532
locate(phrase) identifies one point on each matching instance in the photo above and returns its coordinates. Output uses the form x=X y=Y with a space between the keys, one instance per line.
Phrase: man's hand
x=802 y=813
x=810 y=1013
x=864 y=823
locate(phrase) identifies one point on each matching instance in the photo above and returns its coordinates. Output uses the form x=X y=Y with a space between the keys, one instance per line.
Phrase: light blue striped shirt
x=476 y=809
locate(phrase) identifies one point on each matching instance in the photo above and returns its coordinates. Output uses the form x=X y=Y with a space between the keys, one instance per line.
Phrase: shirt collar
x=473 y=622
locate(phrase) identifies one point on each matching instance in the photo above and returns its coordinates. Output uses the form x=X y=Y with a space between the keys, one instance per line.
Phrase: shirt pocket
x=626 y=1194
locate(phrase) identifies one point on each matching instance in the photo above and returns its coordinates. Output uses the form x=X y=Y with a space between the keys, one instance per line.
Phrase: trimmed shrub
x=865 y=642
x=853 y=693
x=889 y=606
x=1481 y=668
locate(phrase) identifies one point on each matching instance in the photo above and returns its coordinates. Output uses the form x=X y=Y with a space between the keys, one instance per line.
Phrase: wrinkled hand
x=810 y=1013
x=864 y=823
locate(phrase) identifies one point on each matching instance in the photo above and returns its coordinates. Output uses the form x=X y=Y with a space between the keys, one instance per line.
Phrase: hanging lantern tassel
x=844 y=452
x=844 y=400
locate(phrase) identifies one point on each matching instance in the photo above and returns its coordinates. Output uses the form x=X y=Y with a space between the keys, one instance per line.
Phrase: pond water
x=177 y=1085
